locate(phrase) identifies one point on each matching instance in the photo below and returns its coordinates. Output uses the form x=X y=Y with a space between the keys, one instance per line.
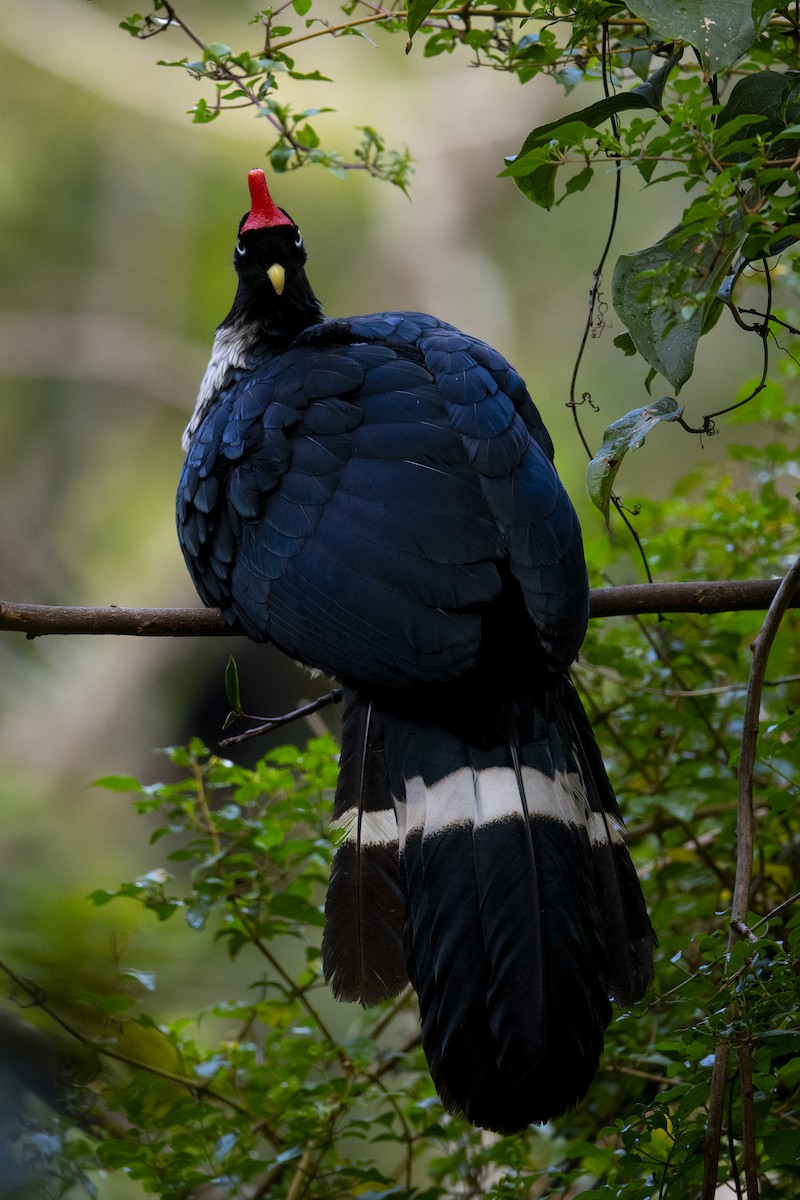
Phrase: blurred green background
x=118 y=218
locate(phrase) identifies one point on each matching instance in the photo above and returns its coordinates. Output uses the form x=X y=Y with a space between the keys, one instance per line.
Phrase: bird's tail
x=523 y=912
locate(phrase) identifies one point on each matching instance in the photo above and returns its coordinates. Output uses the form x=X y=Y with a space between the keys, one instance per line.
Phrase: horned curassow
x=376 y=496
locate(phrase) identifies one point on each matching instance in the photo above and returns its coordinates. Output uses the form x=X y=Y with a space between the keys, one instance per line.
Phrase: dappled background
x=118 y=218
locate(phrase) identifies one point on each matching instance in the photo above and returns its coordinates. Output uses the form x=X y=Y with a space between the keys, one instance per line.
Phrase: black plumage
x=376 y=495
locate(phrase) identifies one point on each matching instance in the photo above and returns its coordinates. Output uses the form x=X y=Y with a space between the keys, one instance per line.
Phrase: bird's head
x=269 y=255
x=269 y=259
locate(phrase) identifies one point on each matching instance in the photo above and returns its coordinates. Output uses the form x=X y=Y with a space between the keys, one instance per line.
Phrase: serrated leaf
x=622 y=436
x=720 y=30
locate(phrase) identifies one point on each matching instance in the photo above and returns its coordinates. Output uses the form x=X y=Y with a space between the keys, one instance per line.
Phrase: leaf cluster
x=252 y=77
x=703 y=96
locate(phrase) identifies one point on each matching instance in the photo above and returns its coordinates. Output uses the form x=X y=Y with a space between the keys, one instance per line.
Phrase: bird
x=376 y=496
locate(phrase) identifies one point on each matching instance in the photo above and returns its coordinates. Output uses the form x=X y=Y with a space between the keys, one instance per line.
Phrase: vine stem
x=741 y=896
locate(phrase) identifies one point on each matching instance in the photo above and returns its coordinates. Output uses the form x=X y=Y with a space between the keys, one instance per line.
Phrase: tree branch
x=785 y=593
x=701 y=596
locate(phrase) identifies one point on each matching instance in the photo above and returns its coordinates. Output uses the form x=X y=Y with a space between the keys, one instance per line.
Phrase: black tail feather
x=523 y=912
x=630 y=939
x=507 y=956
x=363 y=954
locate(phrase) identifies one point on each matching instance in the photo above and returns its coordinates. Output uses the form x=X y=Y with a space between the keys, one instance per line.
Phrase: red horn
x=264 y=212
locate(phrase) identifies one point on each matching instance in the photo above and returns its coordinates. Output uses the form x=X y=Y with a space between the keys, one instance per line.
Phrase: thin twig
x=267 y=724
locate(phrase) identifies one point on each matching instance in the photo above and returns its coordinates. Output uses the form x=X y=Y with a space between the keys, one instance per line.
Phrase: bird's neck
x=255 y=328
x=273 y=322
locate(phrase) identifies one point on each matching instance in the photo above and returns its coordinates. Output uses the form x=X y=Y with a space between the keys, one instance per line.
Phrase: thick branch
x=703 y=596
x=38 y=619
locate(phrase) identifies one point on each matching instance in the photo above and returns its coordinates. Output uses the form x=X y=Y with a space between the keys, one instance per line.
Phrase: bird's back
x=363 y=496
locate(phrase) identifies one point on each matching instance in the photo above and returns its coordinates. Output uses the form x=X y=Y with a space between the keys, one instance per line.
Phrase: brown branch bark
x=702 y=596
x=785 y=595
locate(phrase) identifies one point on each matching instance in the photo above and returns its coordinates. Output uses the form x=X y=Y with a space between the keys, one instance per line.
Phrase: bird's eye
x=241 y=250
x=298 y=241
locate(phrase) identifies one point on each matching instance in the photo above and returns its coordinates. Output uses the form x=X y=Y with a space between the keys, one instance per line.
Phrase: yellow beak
x=277 y=277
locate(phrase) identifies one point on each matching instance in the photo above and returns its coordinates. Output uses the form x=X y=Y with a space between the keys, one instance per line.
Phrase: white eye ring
x=298 y=241
x=240 y=249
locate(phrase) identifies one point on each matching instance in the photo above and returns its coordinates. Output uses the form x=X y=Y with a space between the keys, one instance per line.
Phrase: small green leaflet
x=117 y=783
x=720 y=30
x=628 y=433
x=233 y=692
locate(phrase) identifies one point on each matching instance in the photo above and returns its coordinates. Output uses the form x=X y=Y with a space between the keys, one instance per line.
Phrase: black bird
x=376 y=495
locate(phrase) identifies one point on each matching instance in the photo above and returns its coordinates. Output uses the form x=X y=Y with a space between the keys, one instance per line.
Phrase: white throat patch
x=231 y=343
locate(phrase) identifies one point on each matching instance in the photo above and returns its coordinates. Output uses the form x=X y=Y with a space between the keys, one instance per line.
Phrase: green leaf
x=202 y=113
x=628 y=433
x=134 y=24
x=533 y=169
x=783 y=1147
x=232 y=689
x=112 y=1005
x=720 y=30
x=307 y=137
x=666 y=341
x=769 y=100
x=417 y=12
x=624 y=342
x=579 y=182
x=216 y=52
x=117 y=783
x=297 y=909
x=762 y=93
